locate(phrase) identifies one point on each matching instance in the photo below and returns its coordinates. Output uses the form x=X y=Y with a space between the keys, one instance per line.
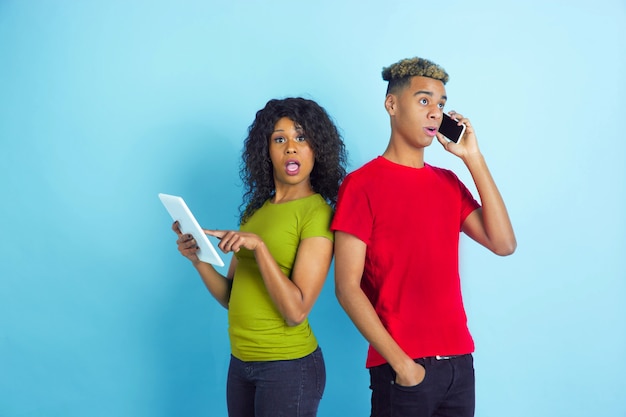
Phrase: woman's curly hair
x=256 y=169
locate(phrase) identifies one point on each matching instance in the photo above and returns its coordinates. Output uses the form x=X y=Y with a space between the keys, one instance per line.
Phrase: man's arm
x=349 y=263
x=490 y=225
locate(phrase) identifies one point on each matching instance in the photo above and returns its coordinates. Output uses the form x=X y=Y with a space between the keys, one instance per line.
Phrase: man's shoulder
x=367 y=169
x=442 y=172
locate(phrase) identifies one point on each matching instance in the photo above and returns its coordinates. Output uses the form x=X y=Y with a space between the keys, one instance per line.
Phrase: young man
x=397 y=228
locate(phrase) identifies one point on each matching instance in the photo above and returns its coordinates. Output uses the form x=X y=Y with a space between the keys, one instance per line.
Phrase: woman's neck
x=285 y=194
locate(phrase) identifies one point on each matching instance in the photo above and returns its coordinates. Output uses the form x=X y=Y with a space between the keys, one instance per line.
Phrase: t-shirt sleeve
x=468 y=202
x=353 y=214
x=317 y=222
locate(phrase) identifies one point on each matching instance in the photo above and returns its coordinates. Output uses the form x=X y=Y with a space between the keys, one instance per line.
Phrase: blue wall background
x=104 y=104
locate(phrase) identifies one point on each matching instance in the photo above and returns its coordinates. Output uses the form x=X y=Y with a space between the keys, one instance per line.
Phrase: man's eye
x=423 y=101
x=441 y=106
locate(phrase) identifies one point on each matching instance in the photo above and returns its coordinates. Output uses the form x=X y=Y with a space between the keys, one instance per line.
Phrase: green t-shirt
x=257 y=330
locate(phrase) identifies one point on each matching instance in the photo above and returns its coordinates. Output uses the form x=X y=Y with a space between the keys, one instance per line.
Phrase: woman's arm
x=218 y=285
x=293 y=297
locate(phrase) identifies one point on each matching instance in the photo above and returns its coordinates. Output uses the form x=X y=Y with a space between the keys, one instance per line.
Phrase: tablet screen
x=177 y=208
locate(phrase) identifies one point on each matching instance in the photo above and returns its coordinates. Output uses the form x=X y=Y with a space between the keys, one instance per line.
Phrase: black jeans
x=290 y=388
x=446 y=391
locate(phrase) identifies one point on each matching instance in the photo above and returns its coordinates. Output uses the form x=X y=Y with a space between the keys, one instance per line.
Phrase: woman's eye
x=279 y=140
x=301 y=138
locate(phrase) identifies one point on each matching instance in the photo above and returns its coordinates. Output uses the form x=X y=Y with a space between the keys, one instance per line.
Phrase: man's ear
x=390 y=104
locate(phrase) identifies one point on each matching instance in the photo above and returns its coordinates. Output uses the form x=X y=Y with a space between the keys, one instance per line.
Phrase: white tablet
x=188 y=224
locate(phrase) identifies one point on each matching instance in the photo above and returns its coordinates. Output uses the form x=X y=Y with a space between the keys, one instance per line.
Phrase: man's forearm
x=362 y=313
x=496 y=219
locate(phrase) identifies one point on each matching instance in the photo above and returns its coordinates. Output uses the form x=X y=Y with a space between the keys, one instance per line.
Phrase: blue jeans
x=289 y=388
x=446 y=391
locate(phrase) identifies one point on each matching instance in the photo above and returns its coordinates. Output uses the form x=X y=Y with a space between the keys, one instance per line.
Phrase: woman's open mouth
x=292 y=167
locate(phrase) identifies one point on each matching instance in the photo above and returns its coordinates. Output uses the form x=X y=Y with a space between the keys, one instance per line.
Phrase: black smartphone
x=450 y=128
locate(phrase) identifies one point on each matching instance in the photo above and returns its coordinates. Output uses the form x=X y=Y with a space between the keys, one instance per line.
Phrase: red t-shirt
x=410 y=220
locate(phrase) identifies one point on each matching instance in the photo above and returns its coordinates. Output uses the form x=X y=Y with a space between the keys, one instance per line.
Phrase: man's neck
x=410 y=157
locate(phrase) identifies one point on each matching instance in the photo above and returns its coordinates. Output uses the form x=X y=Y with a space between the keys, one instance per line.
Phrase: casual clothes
x=257 y=330
x=448 y=389
x=290 y=388
x=264 y=348
x=410 y=220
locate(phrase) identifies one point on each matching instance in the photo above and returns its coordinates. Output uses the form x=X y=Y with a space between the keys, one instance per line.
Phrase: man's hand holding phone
x=466 y=143
x=451 y=128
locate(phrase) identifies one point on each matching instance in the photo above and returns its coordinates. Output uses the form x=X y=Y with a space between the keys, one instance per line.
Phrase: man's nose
x=436 y=113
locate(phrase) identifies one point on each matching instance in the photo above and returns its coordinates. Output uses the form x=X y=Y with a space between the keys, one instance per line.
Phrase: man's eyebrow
x=428 y=93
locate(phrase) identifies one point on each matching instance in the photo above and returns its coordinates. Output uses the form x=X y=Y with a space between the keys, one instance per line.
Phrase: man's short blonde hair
x=400 y=73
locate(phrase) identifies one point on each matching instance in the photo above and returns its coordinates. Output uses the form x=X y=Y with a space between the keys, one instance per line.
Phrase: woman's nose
x=291 y=147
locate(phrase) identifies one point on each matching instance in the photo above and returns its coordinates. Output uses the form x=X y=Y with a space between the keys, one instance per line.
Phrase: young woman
x=293 y=163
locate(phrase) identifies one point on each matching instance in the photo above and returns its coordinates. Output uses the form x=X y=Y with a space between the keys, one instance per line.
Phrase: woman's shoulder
x=316 y=203
x=313 y=202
